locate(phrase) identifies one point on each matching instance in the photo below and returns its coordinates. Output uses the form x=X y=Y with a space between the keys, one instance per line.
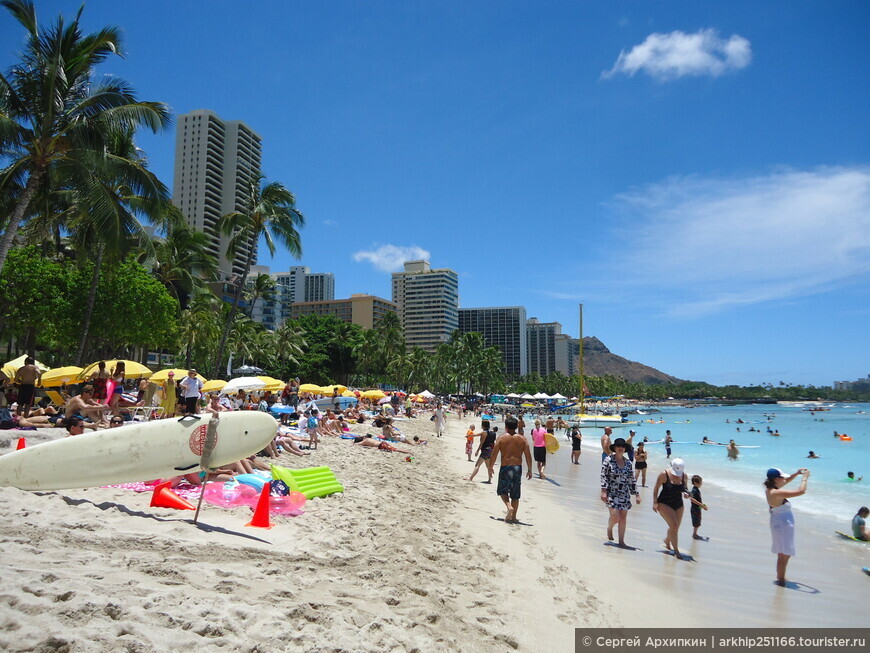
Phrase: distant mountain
x=598 y=361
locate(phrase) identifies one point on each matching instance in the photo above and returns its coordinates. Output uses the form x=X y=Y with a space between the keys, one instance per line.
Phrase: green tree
x=52 y=111
x=108 y=196
x=270 y=212
x=183 y=263
x=34 y=300
x=135 y=310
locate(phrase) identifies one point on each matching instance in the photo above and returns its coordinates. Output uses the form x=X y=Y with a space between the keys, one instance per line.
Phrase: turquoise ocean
x=829 y=493
x=801 y=431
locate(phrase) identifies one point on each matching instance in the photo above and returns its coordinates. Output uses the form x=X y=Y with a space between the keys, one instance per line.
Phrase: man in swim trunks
x=83 y=405
x=27 y=377
x=512 y=447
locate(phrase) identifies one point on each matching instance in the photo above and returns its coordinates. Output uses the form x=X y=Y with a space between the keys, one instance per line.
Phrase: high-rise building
x=502 y=327
x=298 y=285
x=319 y=287
x=365 y=310
x=542 y=345
x=567 y=354
x=428 y=303
x=215 y=163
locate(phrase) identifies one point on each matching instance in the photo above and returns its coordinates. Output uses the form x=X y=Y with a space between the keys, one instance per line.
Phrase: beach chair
x=56 y=398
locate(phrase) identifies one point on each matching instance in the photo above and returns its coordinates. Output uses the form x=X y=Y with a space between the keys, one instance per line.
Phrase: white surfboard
x=135 y=452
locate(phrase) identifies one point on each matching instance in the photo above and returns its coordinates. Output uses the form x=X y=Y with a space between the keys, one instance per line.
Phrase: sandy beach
x=410 y=557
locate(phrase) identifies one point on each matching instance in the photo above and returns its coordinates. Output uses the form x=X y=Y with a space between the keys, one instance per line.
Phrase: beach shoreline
x=410 y=556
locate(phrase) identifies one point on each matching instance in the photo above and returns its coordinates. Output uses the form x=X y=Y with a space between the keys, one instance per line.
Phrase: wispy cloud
x=677 y=54
x=708 y=245
x=330 y=223
x=389 y=258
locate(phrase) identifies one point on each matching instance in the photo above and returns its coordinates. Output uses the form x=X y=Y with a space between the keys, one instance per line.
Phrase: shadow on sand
x=109 y=505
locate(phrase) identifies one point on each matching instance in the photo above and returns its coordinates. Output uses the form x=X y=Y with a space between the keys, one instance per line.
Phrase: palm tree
x=108 y=194
x=183 y=263
x=52 y=112
x=199 y=327
x=342 y=341
x=262 y=287
x=270 y=213
x=290 y=341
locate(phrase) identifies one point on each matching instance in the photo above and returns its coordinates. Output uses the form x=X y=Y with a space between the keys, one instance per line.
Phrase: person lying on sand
x=367 y=441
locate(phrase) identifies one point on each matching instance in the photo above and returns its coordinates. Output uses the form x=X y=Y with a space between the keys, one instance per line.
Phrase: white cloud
x=330 y=223
x=701 y=246
x=668 y=56
x=390 y=258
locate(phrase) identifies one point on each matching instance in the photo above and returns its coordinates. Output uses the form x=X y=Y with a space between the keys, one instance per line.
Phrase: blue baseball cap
x=773 y=473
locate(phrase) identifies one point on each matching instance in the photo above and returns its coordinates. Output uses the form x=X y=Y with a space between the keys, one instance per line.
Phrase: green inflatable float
x=311 y=481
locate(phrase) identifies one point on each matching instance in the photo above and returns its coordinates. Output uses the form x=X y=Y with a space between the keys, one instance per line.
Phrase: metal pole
x=582 y=377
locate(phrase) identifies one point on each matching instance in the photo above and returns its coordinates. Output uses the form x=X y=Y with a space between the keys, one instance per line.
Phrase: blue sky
x=697 y=174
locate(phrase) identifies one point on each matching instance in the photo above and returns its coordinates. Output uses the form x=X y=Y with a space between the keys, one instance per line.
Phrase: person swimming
x=813 y=454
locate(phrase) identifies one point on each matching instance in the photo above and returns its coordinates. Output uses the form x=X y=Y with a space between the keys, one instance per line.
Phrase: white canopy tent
x=426 y=394
x=541 y=395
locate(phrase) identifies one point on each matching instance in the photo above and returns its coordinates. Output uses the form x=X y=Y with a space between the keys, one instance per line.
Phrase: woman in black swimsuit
x=640 y=457
x=669 y=502
x=487 y=442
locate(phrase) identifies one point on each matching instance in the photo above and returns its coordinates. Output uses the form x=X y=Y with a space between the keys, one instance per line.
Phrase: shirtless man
x=605 y=443
x=521 y=424
x=513 y=447
x=85 y=406
x=27 y=376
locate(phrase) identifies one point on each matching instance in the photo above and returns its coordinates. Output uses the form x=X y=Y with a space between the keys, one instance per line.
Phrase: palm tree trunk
x=89 y=307
x=18 y=214
x=228 y=325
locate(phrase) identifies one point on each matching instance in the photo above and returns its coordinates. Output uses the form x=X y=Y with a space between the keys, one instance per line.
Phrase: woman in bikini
x=781 y=518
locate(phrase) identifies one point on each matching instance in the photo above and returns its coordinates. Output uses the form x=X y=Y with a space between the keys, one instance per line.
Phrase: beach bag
x=5 y=415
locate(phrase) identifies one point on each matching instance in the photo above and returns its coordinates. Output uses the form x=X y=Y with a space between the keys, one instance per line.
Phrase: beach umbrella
x=213 y=386
x=273 y=385
x=247 y=370
x=329 y=389
x=162 y=375
x=11 y=367
x=348 y=393
x=242 y=383
x=373 y=394
x=132 y=369
x=60 y=376
x=310 y=387
x=383 y=400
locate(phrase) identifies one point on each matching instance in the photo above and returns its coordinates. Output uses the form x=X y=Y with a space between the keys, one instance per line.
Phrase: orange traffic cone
x=163 y=497
x=21 y=444
x=261 y=514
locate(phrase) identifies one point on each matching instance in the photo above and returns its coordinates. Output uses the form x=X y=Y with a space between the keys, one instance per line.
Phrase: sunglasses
x=117 y=421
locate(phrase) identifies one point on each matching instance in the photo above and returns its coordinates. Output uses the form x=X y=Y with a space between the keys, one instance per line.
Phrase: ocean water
x=829 y=493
